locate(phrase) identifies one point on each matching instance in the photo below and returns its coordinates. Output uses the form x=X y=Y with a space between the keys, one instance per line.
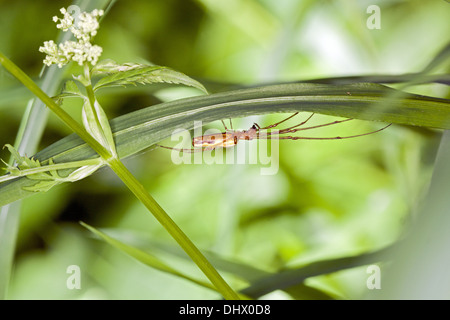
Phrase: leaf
x=82 y=79
x=303 y=292
x=22 y=162
x=47 y=176
x=132 y=74
x=108 y=67
x=290 y=278
x=262 y=282
x=70 y=87
x=70 y=90
x=137 y=131
x=96 y=123
x=424 y=249
x=145 y=257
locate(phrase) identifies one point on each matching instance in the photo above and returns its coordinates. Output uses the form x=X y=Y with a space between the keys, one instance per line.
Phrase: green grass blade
x=9 y=225
x=136 y=131
x=302 y=292
x=441 y=57
x=261 y=282
x=147 y=243
x=248 y=273
x=145 y=257
x=290 y=278
x=419 y=269
x=417 y=78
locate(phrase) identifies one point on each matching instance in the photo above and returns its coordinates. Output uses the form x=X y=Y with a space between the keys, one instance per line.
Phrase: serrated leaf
x=109 y=66
x=47 y=176
x=22 y=161
x=70 y=90
x=71 y=87
x=132 y=74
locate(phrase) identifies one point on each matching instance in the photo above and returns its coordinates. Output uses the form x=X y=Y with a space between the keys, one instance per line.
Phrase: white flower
x=53 y=53
x=93 y=54
x=66 y=22
x=84 y=27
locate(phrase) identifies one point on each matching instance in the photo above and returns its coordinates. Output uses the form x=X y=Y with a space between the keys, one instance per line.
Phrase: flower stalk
x=97 y=132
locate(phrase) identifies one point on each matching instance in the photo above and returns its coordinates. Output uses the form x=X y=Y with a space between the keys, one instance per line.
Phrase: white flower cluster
x=84 y=28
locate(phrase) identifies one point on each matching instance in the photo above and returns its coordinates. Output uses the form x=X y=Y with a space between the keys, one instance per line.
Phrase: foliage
x=305 y=230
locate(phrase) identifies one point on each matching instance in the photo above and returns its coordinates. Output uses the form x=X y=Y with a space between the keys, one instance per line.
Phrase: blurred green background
x=329 y=198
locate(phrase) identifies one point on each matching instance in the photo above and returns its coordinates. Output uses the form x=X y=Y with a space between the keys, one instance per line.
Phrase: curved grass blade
x=248 y=273
x=144 y=257
x=261 y=281
x=290 y=278
x=137 y=131
x=418 y=78
x=147 y=258
x=424 y=250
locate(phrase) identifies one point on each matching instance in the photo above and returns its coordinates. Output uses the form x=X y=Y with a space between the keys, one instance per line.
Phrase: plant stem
x=130 y=181
x=63 y=115
x=51 y=167
x=90 y=92
x=141 y=193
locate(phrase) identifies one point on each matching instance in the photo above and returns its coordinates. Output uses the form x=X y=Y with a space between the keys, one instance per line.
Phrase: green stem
x=90 y=92
x=130 y=181
x=51 y=167
x=141 y=193
x=64 y=116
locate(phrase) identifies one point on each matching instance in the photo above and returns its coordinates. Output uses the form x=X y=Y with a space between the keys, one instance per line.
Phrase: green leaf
x=108 y=67
x=70 y=87
x=418 y=268
x=96 y=123
x=137 y=131
x=131 y=74
x=288 y=279
x=22 y=162
x=70 y=90
x=47 y=176
x=145 y=257
x=262 y=282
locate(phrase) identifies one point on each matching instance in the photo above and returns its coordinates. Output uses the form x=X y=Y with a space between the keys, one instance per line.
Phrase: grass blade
x=145 y=257
x=292 y=277
x=419 y=267
x=136 y=131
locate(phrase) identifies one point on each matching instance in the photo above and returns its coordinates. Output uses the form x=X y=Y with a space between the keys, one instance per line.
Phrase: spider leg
x=289 y=128
x=181 y=150
x=224 y=125
x=276 y=136
x=300 y=124
x=295 y=129
x=276 y=124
